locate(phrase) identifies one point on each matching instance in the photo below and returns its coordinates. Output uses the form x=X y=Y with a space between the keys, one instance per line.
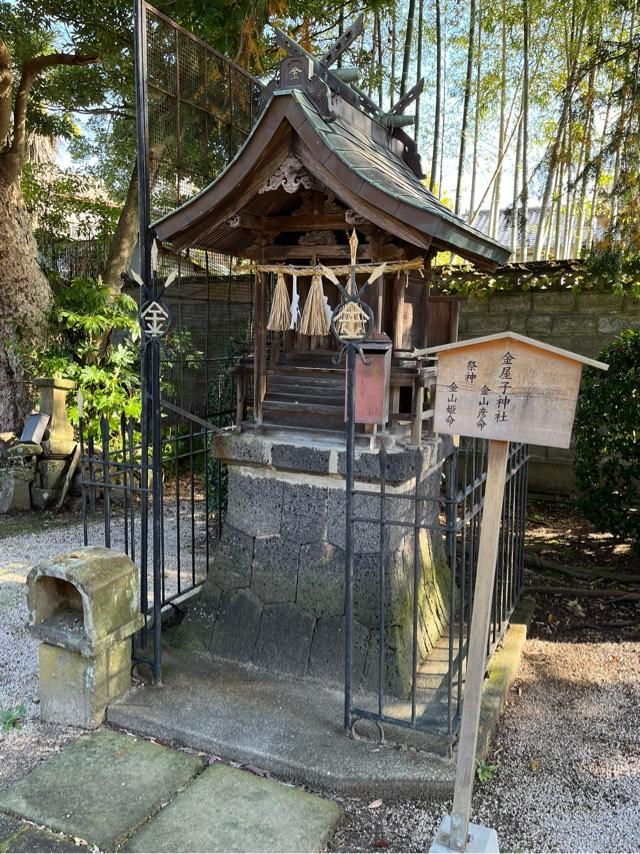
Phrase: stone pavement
x=246 y=715
x=116 y=791
x=17 y=835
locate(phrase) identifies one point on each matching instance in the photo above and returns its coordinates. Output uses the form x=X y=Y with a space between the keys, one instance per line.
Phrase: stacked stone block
x=32 y=474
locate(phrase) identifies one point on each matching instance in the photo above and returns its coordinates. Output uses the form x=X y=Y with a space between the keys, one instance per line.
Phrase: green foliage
x=55 y=199
x=92 y=340
x=485 y=770
x=607 y=430
x=12 y=718
x=610 y=272
x=621 y=271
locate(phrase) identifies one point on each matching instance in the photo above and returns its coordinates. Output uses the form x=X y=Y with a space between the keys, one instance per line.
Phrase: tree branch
x=6 y=84
x=30 y=71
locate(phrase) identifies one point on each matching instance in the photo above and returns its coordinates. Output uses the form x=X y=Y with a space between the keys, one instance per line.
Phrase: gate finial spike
x=353 y=243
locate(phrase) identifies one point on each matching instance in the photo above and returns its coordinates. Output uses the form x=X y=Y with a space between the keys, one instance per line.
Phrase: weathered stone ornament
x=83 y=608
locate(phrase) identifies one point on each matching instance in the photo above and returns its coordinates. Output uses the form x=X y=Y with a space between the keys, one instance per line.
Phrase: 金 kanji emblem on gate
x=155 y=320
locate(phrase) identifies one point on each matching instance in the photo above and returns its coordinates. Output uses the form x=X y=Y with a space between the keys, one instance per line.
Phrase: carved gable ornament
x=291 y=176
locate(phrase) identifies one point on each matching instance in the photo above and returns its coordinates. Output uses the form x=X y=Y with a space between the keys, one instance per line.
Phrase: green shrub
x=221 y=409
x=607 y=430
x=92 y=340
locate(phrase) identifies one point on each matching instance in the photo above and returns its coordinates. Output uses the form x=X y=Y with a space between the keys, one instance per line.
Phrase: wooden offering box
x=508 y=387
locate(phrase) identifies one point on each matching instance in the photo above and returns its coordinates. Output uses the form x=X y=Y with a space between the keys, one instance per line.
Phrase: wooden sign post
x=502 y=388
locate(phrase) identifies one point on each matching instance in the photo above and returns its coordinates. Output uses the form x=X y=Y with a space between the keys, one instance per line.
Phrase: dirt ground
x=564 y=765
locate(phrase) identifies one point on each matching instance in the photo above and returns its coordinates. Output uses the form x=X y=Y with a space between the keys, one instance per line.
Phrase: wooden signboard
x=507 y=386
x=503 y=388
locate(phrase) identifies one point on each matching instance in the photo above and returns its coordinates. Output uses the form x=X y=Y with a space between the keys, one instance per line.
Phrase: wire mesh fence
x=202 y=107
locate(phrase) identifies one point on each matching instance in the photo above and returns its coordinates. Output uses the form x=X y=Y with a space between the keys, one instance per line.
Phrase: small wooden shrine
x=326 y=180
x=322 y=161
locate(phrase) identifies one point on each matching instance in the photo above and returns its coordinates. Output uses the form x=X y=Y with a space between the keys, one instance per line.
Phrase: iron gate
x=124 y=488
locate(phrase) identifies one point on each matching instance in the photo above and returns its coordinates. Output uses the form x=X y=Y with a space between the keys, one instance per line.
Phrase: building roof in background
x=504 y=227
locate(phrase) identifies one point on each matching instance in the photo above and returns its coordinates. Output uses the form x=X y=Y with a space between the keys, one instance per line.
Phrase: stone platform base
x=274 y=595
x=293 y=727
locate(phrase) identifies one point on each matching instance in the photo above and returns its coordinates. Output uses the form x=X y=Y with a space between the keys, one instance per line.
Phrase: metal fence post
x=348 y=581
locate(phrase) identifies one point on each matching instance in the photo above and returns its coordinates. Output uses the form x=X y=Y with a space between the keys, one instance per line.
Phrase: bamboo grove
x=530 y=106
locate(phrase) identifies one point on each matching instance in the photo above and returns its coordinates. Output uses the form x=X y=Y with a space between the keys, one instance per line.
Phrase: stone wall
x=581 y=322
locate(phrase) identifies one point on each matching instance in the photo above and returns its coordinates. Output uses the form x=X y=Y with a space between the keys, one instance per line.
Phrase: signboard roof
x=515 y=336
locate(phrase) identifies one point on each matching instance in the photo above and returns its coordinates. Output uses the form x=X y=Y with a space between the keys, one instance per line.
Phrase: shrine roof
x=372 y=169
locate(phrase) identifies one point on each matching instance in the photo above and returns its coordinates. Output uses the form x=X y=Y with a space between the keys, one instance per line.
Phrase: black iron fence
x=446 y=503
x=116 y=482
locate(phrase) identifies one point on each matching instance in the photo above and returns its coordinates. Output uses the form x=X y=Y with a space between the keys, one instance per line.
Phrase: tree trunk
x=566 y=246
x=378 y=29
x=524 y=196
x=437 y=118
x=557 y=248
x=408 y=39
x=465 y=105
x=124 y=239
x=598 y=174
x=547 y=237
x=560 y=129
x=497 y=190
x=419 y=67
x=25 y=301
x=516 y=194
x=476 y=124
x=582 y=204
x=392 y=76
x=625 y=115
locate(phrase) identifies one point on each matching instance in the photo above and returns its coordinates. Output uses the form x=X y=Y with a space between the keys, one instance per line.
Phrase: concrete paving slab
x=100 y=788
x=292 y=728
x=226 y=809
x=18 y=836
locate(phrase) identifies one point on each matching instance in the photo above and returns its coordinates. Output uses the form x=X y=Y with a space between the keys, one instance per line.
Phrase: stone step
x=306 y=372
x=295 y=414
x=292 y=379
x=301 y=395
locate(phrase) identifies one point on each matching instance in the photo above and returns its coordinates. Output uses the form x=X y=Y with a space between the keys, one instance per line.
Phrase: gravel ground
x=567 y=751
x=24 y=542
x=568 y=762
